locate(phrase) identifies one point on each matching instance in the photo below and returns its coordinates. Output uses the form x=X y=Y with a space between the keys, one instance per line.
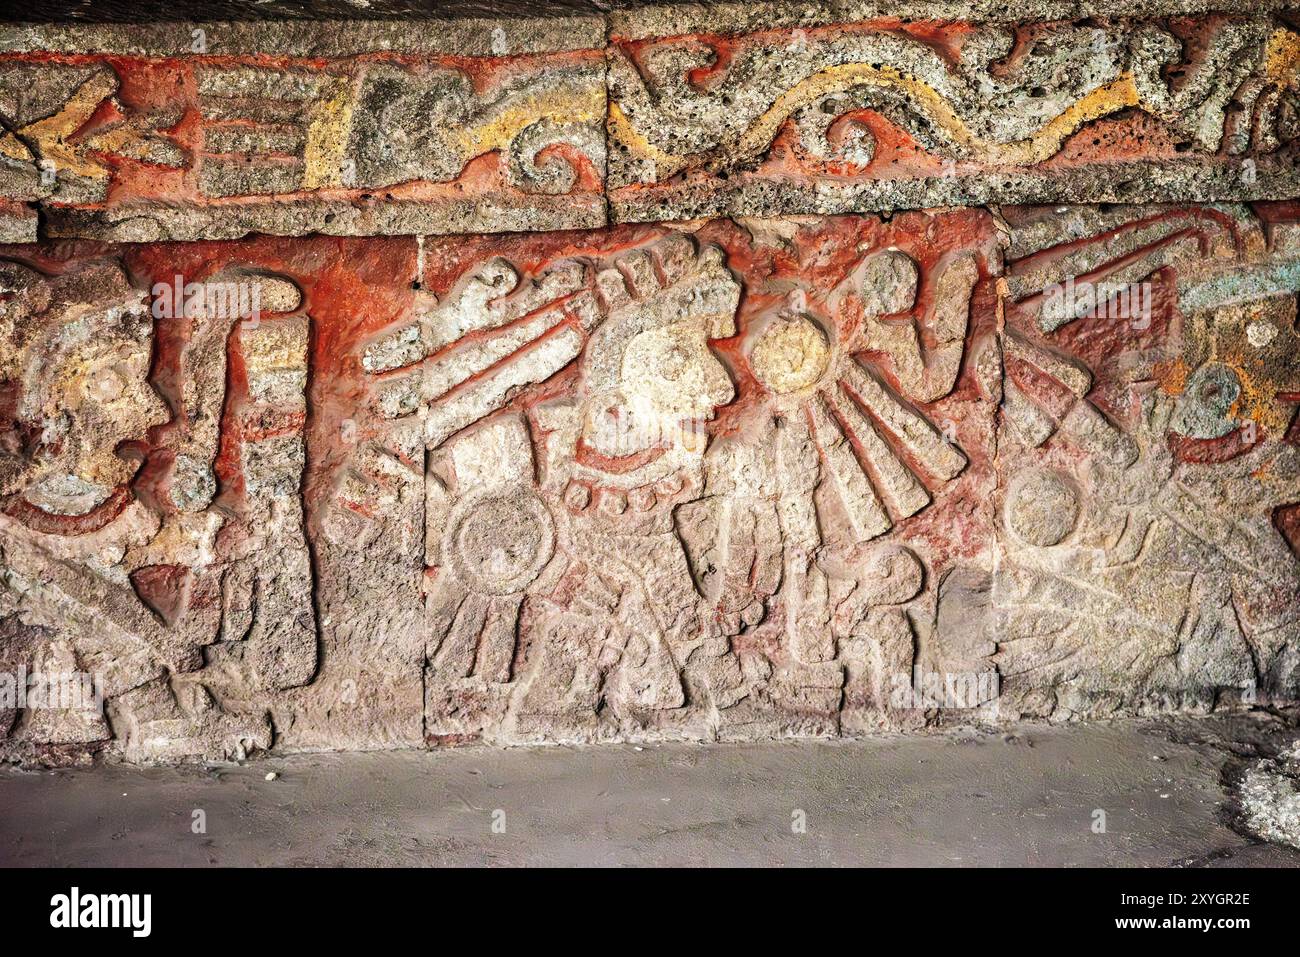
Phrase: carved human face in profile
x=77 y=350
x=651 y=377
x=673 y=372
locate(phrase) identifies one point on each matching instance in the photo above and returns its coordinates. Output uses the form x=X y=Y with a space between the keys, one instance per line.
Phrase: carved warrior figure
x=621 y=455
x=1140 y=541
x=154 y=566
x=595 y=552
x=616 y=457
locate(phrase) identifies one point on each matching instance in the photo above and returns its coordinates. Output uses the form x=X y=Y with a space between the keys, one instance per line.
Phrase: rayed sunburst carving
x=876 y=449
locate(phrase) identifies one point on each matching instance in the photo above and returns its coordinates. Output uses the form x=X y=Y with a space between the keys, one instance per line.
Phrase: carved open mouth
x=591 y=457
x=49 y=522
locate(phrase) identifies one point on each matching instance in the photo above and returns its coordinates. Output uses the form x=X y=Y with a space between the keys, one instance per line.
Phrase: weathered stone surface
x=155 y=131
x=307 y=28
x=731 y=479
x=1270 y=799
x=637 y=20
x=673 y=531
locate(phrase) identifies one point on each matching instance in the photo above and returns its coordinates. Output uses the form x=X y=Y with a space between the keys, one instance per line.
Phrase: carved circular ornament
x=1042 y=508
x=791 y=355
x=499 y=540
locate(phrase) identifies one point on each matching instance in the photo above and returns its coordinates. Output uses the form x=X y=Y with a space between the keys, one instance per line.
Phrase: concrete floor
x=973 y=798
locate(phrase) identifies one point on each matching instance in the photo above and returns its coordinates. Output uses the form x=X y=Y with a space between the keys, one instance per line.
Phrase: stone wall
x=713 y=371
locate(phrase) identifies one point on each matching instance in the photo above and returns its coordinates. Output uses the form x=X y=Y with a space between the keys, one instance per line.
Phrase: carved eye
x=676 y=363
x=104 y=384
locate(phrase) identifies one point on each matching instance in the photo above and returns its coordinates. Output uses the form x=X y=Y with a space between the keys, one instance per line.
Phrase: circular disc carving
x=1042 y=508
x=791 y=355
x=500 y=540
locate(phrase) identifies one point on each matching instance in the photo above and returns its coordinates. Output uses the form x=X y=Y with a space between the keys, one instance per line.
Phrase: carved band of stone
x=861 y=116
x=320 y=137
x=1019 y=114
